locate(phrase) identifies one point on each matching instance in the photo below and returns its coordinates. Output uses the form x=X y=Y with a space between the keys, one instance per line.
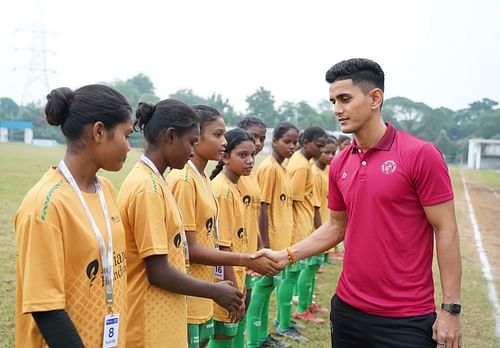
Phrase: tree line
x=449 y=130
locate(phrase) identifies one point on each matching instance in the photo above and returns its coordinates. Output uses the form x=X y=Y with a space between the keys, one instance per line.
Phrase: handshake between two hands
x=264 y=262
x=268 y=262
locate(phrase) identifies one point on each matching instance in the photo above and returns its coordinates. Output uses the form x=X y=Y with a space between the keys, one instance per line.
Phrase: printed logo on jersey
x=115 y=218
x=246 y=200
x=209 y=225
x=282 y=197
x=344 y=176
x=177 y=240
x=92 y=269
x=388 y=167
x=310 y=194
x=241 y=233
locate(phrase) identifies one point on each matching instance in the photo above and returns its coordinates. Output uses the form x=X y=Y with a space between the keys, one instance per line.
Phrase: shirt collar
x=384 y=144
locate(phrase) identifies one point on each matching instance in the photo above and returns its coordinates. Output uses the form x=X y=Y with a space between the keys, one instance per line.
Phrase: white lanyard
x=210 y=193
x=185 y=245
x=106 y=257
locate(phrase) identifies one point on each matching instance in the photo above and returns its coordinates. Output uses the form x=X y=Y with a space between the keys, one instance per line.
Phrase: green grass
x=22 y=165
x=490 y=178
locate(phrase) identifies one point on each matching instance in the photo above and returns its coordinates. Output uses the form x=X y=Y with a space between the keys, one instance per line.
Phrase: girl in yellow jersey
x=198 y=205
x=320 y=167
x=300 y=171
x=238 y=160
x=275 y=223
x=70 y=246
x=250 y=191
x=156 y=244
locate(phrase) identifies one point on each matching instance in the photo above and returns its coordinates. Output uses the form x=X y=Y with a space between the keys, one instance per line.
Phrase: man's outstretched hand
x=269 y=261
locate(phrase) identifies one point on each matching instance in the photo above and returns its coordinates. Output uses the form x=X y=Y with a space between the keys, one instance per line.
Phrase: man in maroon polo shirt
x=390 y=195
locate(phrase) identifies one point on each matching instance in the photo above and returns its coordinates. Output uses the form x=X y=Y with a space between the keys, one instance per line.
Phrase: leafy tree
x=287 y=112
x=187 y=96
x=488 y=125
x=408 y=113
x=231 y=117
x=135 y=88
x=447 y=147
x=261 y=104
x=479 y=107
x=8 y=108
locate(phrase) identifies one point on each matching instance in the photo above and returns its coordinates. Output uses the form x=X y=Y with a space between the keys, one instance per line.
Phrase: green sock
x=304 y=285
x=277 y=316
x=260 y=298
x=285 y=298
x=214 y=343
x=263 y=332
x=313 y=285
x=239 y=338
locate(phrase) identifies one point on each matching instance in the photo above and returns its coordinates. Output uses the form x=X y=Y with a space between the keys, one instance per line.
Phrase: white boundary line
x=485 y=265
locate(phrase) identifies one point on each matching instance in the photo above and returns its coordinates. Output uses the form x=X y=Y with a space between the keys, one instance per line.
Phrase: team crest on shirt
x=91 y=271
x=177 y=240
x=388 y=167
x=246 y=200
x=282 y=197
x=241 y=232
x=209 y=225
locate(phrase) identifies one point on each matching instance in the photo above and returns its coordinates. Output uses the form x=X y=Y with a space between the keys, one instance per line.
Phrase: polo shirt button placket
x=362 y=170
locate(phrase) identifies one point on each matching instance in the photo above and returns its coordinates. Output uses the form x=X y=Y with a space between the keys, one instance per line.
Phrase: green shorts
x=250 y=281
x=297 y=267
x=264 y=281
x=226 y=329
x=315 y=260
x=277 y=278
x=200 y=332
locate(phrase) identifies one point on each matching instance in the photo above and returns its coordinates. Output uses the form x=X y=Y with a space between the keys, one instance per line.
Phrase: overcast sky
x=442 y=53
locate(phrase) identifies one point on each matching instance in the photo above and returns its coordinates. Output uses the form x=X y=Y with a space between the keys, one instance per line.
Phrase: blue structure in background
x=26 y=126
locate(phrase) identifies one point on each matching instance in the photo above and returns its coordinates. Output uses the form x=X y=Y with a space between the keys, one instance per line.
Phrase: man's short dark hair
x=365 y=73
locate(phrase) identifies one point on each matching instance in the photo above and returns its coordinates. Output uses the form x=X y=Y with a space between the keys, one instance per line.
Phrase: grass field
x=22 y=165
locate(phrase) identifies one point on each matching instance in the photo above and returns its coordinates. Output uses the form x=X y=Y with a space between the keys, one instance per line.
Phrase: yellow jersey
x=299 y=171
x=157 y=317
x=59 y=264
x=321 y=192
x=250 y=192
x=276 y=190
x=232 y=233
x=194 y=196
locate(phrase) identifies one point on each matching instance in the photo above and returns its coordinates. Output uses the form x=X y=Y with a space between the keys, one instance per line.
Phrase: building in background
x=484 y=154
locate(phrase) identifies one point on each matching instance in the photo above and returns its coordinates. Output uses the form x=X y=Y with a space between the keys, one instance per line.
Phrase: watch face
x=455 y=308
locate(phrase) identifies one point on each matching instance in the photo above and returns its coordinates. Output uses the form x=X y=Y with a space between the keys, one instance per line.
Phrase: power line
x=37 y=80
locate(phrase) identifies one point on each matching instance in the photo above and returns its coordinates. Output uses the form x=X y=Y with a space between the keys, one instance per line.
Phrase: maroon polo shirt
x=388 y=241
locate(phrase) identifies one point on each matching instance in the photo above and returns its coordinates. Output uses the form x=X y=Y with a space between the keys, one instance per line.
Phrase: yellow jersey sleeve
x=225 y=199
x=185 y=194
x=318 y=187
x=147 y=219
x=298 y=177
x=266 y=177
x=43 y=282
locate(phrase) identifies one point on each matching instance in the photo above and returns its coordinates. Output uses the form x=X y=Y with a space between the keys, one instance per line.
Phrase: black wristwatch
x=453 y=308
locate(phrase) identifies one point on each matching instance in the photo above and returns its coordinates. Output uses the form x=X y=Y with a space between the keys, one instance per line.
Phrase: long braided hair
x=234 y=137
